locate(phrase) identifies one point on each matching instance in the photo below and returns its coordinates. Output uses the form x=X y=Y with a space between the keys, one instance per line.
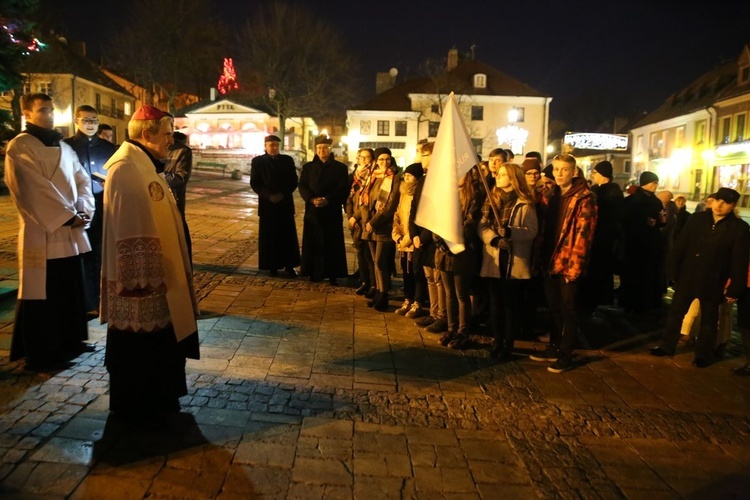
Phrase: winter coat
x=570 y=248
x=380 y=217
x=523 y=230
x=707 y=254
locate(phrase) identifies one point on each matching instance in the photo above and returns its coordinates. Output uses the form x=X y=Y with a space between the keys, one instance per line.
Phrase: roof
x=58 y=57
x=735 y=88
x=459 y=80
x=700 y=94
x=257 y=106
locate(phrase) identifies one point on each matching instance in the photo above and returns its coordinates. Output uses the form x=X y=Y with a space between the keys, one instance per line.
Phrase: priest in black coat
x=324 y=185
x=274 y=177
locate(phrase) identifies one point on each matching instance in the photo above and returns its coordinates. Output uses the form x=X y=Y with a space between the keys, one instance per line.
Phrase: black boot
x=382 y=303
x=374 y=299
x=363 y=289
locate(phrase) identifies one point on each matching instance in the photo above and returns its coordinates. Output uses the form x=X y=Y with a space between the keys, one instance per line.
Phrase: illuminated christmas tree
x=228 y=78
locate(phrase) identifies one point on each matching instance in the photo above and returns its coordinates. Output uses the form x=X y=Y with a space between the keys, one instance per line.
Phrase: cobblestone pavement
x=304 y=392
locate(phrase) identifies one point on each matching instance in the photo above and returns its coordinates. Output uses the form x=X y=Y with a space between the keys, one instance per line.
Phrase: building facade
x=696 y=141
x=498 y=111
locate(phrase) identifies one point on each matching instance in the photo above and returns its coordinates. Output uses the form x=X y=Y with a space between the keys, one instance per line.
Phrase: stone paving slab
x=303 y=392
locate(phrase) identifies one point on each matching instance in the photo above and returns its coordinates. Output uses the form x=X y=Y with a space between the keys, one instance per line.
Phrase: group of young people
x=516 y=229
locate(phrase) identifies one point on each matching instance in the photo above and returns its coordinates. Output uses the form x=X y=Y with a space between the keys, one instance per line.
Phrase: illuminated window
x=679 y=137
x=726 y=130
x=477 y=113
x=400 y=128
x=45 y=88
x=384 y=127
x=126 y=108
x=364 y=127
x=700 y=133
x=739 y=134
x=480 y=81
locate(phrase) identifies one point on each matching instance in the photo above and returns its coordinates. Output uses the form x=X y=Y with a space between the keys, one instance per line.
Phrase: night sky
x=596 y=59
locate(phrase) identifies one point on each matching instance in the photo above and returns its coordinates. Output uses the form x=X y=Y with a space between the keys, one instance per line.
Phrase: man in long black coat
x=598 y=287
x=324 y=185
x=709 y=262
x=274 y=177
x=642 y=216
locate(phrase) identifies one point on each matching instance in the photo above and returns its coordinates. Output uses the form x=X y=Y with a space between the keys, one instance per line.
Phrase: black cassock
x=278 y=246
x=323 y=248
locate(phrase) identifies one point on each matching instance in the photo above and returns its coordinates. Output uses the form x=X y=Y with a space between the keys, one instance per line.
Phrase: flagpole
x=489 y=196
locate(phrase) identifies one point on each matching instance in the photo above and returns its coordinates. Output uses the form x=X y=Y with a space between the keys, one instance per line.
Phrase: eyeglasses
x=385 y=160
x=90 y=121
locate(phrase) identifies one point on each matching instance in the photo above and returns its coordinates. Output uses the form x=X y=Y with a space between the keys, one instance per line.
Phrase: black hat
x=415 y=169
x=726 y=194
x=381 y=151
x=272 y=138
x=604 y=168
x=547 y=172
x=322 y=139
x=647 y=178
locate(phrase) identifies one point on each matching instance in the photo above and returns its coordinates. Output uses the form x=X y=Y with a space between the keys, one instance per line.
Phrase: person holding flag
x=439 y=208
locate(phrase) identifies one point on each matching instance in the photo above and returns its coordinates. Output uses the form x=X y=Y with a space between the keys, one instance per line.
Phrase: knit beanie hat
x=604 y=168
x=381 y=151
x=531 y=164
x=647 y=178
x=415 y=169
x=547 y=172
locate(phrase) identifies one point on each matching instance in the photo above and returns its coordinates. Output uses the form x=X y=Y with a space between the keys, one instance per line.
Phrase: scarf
x=506 y=202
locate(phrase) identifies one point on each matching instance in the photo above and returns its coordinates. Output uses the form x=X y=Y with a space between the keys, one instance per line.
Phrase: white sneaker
x=416 y=311
x=405 y=307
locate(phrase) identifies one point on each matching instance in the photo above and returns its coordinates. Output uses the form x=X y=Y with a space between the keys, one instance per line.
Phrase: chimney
x=213 y=93
x=452 y=59
x=385 y=81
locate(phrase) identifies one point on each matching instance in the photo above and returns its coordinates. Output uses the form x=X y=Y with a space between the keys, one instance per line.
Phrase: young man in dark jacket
x=93 y=152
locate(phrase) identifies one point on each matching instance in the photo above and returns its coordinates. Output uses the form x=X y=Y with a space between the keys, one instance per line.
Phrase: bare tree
x=174 y=46
x=298 y=59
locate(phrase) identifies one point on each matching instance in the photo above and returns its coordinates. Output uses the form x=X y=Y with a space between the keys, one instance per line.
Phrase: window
x=384 y=127
x=679 y=139
x=726 y=130
x=517 y=115
x=480 y=81
x=435 y=108
x=126 y=108
x=433 y=129
x=45 y=88
x=627 y=167
x=113 y=106
x=364 y=127
x=400 y=127
x=700 y=133
x=745 y=74
x=477 y=113
x=739 y=134
x=477 y=143
x=114 y=134
x=26 y=88
x=98 y=104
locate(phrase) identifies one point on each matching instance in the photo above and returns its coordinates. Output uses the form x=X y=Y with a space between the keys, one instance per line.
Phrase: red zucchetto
x=149 y=113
